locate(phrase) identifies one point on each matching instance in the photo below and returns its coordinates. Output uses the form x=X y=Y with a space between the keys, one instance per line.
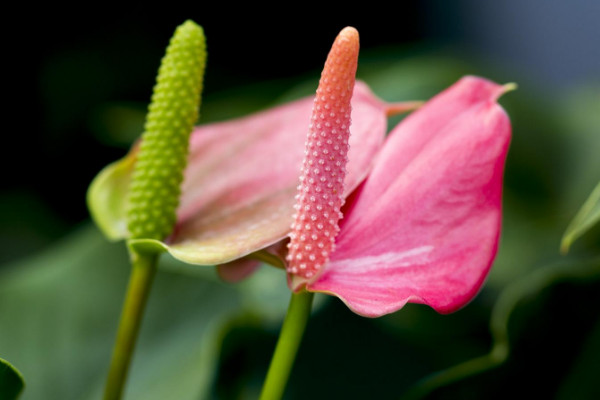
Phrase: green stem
x=287 y=346
x=140 y=281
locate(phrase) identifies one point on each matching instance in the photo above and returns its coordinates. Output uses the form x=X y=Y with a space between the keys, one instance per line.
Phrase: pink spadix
x=321 y=189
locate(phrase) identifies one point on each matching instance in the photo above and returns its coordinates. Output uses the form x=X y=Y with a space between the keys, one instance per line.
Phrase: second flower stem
x=287 y=346
x=140 y=281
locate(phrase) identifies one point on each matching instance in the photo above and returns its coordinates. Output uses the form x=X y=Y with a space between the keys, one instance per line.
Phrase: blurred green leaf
x=587 y=216
x=59 y=313
x=580 y=142
x=582 y=381
x=28 y=224
x=118 y=123
x=11 y=381
x=410 y=76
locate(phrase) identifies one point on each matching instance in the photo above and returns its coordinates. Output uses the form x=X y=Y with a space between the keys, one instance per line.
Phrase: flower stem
x=287 y=346
x=140 y=281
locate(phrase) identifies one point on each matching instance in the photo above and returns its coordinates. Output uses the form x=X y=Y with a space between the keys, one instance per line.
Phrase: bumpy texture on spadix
x=321 y=190
x=158 y=173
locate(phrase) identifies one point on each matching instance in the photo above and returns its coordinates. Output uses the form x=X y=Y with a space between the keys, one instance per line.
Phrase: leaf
x=582 y=382
x=59 y=313
x=11 y=381
x=587 y=216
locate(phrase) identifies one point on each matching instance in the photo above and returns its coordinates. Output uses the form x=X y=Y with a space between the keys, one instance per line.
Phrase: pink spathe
x=425 y=224
x=239 y=186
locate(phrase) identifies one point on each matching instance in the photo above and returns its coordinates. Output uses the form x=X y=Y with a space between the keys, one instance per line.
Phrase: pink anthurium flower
x=424 y=225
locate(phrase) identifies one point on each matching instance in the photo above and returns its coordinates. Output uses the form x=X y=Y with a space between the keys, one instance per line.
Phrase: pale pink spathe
x=239 y=187
x=425 y=224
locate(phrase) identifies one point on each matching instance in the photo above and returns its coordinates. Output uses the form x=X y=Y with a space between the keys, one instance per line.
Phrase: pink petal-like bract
x=425 y=224
x=239 y=187
x=321 y=190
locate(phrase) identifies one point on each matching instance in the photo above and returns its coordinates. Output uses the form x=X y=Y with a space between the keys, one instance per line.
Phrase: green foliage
x=11 y=381
x=59 y=313
x=158 y=172
x=584 y=220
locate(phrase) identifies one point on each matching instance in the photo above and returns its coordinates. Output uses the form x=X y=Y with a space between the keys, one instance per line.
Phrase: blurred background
x=79 y=80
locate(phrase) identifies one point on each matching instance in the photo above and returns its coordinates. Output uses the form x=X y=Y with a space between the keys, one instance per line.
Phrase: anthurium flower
x=422 y=216
x=424 y=225
x=238 y=191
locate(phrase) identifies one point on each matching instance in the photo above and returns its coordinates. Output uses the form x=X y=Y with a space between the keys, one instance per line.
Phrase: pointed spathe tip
x=509 y=87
